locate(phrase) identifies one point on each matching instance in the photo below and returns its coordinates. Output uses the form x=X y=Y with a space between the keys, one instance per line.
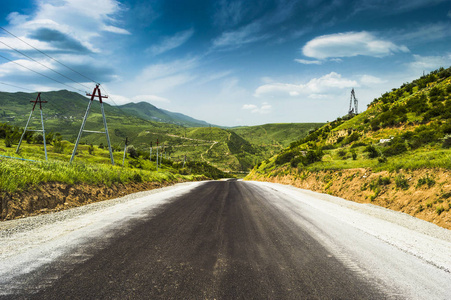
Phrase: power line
x=19 y=87
x=41 y=74
x=64 y=65
x=44 y=65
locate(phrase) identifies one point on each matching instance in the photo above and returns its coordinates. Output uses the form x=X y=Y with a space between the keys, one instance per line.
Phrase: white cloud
x=244 y=35
x=429 y=63
x=369 y=80
x=249 y=106
x=308 y=62
x=325 y=84
x=229 y=13
x=350 y=44
x=265 y=108
x=115 y=29
x=167 y=69
x=81 y=20
x=429 y=32
x=172 y=42
x=213 y=77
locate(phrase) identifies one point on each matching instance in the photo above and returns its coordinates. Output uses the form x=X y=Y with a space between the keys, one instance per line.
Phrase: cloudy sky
x=226 y=62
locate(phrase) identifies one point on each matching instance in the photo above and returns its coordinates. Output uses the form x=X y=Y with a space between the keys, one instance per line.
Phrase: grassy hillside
x=277 y=135
x=405 y=130
x=223 y=148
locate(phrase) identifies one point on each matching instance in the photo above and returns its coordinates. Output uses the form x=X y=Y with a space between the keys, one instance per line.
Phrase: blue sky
x=226 y=62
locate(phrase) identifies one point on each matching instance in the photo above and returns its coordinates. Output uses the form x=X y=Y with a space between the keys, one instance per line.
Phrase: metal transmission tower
x=353 y=110
x=93 y=95
x=38 y=100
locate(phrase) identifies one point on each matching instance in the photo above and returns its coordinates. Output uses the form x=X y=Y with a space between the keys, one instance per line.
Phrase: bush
x=401 y=182
x=58 y=146
x=353 y=154
x=341 y=153
x=295 y=162
x=446 y=142
x=372 y=151
x=426 y=181
x=396 y=146
x=439 y=210
x=285 y=157
x=313 y=156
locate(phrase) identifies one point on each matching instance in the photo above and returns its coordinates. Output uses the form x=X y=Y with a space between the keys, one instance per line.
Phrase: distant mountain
x=68 y=104
x=150 y=112
x=143 y=125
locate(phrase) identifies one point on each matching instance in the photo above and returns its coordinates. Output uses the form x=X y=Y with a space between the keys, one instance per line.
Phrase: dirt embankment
x=54 y=196
x=425 y=194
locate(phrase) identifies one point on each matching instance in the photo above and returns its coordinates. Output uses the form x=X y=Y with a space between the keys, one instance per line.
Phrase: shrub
x=446 y=142
x=352 y=138
x=313 y=156
x=396 y=146
x=285 y=157
x=401 y=182
x=353 y=154
x=58 y=146
x=426 y=181
x=439 y=210
x=372 y=151
x=295 y=162
x=341 y=153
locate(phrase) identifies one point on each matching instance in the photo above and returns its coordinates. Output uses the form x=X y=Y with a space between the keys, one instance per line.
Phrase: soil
x=428 y=202
x=55 y=196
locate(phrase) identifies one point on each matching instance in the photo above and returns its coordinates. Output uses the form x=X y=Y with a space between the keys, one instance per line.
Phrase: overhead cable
x=64 y=65
x=19 y=87
x=74 y=88
x=44 y=65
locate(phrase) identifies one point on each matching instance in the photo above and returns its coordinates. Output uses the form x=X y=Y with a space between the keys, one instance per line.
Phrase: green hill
x=149 y=112
x=399 y=147
x=230 y=150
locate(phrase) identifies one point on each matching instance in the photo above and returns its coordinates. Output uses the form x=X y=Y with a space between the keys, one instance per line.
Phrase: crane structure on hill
x=353 y=110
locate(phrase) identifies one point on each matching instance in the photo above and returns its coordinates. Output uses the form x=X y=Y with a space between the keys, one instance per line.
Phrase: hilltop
x=395 y=154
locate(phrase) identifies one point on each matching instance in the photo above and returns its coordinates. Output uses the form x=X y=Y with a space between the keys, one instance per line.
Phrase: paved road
x=233 y=240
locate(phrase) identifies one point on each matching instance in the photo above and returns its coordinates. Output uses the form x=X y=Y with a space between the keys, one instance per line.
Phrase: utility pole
x=125 y=150
x=95 y=93
x=157 y=154
x=150 y=156
x=38 y=100
x=353 y=110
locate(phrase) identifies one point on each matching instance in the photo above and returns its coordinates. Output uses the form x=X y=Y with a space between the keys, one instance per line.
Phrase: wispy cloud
x=429 y=63
x=350 y=44
x=229 y=13
x=396 y=5
x=172 y=42
x=265 y=108
x=81 y=20
x=424 y=33
x=325 y=84
x=308 y=62
x=245 y=35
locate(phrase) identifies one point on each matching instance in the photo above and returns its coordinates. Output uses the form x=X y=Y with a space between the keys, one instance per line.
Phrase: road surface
x=225 y=240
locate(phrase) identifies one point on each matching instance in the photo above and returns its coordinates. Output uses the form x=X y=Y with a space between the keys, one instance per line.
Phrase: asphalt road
x=226 y=240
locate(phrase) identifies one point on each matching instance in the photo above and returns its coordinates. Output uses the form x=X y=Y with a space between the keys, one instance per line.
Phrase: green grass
x=94 y=168
x=16 y=175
